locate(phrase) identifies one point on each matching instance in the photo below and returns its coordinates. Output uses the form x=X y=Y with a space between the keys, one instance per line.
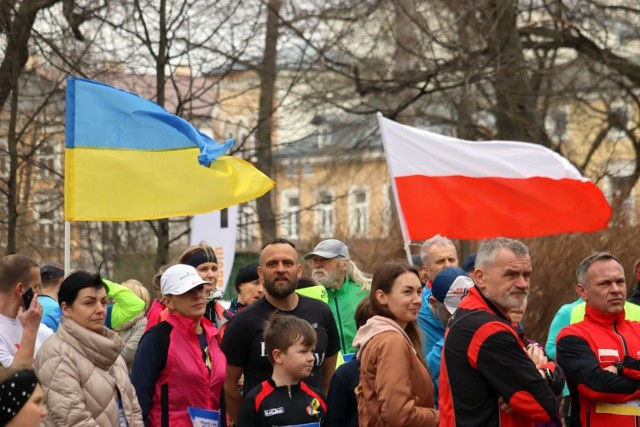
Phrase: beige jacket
x=81 y=373
x=395 y=388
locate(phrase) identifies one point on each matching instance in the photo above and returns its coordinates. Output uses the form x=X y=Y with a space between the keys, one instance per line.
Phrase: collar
x=602 y=318
x=188 y=326
x=475 y=300
x=102 y=349
x=292 y=387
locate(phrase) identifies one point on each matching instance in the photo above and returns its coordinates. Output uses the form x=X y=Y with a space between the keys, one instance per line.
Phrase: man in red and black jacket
x=601 y=354
x=488 y=376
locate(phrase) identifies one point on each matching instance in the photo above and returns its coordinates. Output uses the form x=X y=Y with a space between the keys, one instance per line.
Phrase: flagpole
x=67 y=247
x=403 y=227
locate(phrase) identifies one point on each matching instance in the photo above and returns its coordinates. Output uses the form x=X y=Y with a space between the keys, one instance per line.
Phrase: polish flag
x=475 y=190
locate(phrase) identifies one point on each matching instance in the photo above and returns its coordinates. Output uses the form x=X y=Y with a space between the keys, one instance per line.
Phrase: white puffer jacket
x=81 y=373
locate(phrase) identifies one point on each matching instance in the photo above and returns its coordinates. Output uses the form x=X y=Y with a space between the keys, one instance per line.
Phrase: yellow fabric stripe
x=629 y=408
x=127 y=185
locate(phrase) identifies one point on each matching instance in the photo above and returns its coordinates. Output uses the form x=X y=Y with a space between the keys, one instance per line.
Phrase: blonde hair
x=139 y=289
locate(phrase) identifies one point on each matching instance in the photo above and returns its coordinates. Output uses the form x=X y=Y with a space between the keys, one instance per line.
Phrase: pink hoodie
x=374 y=326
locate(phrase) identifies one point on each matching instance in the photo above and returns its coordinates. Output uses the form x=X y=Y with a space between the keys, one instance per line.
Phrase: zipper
x=588 y=416
x=626 y=353
x=342 y=344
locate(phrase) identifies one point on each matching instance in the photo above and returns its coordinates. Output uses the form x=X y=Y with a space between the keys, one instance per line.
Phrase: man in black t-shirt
x=243 y=344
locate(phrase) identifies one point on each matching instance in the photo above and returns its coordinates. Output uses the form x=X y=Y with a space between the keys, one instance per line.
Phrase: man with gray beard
x=488 y=376
x=243 y=343
x=346 y=286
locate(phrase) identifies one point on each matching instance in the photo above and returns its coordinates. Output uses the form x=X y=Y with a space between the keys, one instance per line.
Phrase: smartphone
x=27 y=297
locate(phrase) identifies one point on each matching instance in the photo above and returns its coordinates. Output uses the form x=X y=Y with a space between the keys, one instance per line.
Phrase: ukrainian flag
x=127 y=158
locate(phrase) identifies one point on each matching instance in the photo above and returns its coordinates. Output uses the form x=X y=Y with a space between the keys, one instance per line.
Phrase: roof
x=340 y=135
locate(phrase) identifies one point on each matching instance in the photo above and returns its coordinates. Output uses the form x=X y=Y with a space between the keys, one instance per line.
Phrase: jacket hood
x=374 y=326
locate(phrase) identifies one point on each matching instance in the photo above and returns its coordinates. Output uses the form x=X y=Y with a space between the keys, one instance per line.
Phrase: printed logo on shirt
x=319 y=358
x=608 y=355
x=312 y=409
x=273 y=411
x=315 y=325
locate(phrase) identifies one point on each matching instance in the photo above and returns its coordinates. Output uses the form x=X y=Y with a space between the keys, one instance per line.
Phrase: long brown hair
x=383 y=279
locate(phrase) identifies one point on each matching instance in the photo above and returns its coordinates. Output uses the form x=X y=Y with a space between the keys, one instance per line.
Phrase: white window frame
x=552 y=122
x=615 y=132
x=290 y=214
x=621 y=168
x=359 y=212
x=246 y=224
x=325 y=213
x=386 y=209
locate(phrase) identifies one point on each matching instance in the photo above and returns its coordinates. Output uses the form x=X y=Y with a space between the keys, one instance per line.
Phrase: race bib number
x=204 y=417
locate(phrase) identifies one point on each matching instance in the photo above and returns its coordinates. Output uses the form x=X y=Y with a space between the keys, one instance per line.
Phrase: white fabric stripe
x=412 y=151
x=607 y=352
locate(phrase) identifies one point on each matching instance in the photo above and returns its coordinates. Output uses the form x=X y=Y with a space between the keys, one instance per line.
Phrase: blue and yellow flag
x=127 y=158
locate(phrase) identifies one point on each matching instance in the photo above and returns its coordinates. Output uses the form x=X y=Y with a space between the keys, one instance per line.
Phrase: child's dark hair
x=363 y=313
x=284 y=330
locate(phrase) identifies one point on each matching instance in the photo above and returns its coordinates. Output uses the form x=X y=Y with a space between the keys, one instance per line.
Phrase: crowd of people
x=422 y=344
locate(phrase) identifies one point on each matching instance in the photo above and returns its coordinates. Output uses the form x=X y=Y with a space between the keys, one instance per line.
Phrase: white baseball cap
x=450 y=286
x=180 y=279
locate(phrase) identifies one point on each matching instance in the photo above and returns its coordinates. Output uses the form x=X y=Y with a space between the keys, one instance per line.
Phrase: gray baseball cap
x=330 y=248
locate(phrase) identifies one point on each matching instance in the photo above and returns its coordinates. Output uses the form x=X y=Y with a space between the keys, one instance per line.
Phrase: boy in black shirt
x=284 y=399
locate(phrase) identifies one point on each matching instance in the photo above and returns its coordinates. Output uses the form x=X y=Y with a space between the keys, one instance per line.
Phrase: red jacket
x=584 y=349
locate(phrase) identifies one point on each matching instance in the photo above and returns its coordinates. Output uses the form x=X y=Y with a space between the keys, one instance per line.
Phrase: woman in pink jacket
x=179 y=363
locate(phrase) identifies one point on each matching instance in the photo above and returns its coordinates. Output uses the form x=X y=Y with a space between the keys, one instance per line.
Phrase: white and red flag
x=481 y=189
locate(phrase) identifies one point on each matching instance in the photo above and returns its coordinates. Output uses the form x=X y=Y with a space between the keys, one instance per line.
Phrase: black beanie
x=248 y=273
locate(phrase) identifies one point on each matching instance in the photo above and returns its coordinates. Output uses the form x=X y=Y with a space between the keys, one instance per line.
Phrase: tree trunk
x=13 y=190
x=516 y=115
x=266 y=215
x=161 y=228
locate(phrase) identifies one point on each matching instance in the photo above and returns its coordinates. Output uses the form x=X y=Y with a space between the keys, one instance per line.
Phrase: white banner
x=218 y=229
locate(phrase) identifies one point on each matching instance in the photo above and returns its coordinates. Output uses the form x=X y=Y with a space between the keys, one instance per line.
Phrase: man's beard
x=327 y=280
x=281 y=291
x=510 y=301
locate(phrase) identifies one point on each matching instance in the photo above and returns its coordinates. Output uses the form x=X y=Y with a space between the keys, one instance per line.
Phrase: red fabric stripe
x=591 y=394
x=266 y=390
x=477 y=208
x=524 y=403
x=480 y=336
x=304 y=387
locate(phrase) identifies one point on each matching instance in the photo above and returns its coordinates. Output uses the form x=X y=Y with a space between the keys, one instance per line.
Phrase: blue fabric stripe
x=70 y=114
x=100 y=116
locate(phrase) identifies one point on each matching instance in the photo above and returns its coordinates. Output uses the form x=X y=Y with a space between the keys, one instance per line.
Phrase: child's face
x=298 y=360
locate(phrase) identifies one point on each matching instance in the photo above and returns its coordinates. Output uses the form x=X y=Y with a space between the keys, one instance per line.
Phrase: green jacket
x=631 y=312
x=126 y=305
x=343 y=303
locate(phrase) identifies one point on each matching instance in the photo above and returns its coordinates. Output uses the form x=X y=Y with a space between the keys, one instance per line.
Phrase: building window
x=308 y=169
x=386 y=209
x=291 y=170
x=359 y=211
x=290 y=214
x=557 y=124
x=49 y=160
x=324 y=136
x=46 y=215
x=618 y=178
x=618 y=119
x=246 y=224
x=325 y=214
